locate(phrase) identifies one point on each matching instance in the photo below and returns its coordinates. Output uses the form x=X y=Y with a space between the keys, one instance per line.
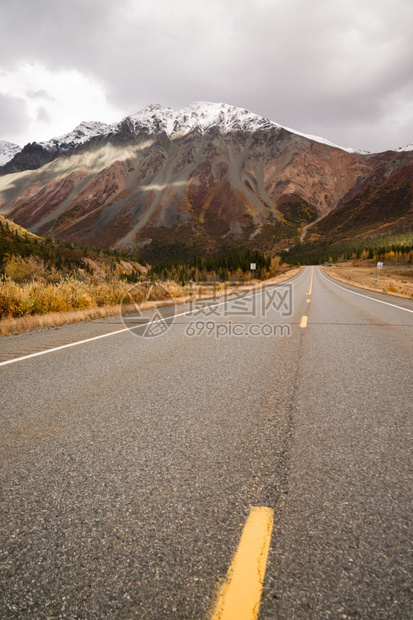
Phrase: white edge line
x=120 y=331
x=361 y=294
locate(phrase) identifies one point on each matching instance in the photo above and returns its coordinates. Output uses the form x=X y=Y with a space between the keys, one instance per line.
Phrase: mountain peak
x=201 y=115
x=80 y=134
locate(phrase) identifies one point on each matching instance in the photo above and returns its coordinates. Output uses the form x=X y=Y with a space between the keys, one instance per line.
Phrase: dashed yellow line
x=240 y=595
x=311 y=281
x=304 y=320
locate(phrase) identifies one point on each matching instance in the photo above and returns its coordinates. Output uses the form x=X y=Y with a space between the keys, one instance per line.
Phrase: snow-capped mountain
x=7 y=151
x=205 y=115
x=155 y=118
x=80 y=134
x=201 y=115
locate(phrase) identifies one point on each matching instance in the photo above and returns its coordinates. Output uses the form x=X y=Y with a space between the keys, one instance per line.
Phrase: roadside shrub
x=10 y=299
x=22 y=269
x=392 y=288
x=39 y=297
x=109 y=293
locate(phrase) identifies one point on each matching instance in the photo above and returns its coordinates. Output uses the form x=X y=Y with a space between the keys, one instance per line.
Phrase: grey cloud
x=13 y=117
x=39 y=94
x=42 y=115
x=320 y=67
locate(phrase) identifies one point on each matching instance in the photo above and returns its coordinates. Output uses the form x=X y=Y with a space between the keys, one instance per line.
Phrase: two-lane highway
x=130 y=464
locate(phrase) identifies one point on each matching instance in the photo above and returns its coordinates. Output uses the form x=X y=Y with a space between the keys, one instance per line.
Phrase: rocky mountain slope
x=206 y=177
x=381 y=203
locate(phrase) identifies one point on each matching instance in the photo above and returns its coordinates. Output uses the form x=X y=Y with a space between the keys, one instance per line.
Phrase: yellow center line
x=240 y=595
x=304 y=320
x=311 y=282
x=308 y=301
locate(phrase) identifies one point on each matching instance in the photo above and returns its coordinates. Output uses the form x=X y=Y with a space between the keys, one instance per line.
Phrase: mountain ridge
x=156 y=117
x=208 y=177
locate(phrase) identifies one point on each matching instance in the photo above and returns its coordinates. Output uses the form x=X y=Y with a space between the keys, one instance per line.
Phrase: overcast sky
x=340 y=69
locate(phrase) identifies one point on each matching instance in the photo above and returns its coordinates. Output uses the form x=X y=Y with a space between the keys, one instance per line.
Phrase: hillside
x=52 y=260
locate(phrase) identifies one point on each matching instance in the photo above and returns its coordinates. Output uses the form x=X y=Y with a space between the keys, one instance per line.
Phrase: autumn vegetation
x=66 y=282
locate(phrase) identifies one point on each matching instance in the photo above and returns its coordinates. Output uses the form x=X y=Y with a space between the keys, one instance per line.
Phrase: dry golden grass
x=395 y=281
x=38 y=305
x=29 y=323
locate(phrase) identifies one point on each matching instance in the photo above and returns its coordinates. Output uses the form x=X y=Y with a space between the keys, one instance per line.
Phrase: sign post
x=379 y=266
x=253 y=267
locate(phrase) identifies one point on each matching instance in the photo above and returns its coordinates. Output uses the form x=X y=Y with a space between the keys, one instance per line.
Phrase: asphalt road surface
x=130 y=462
